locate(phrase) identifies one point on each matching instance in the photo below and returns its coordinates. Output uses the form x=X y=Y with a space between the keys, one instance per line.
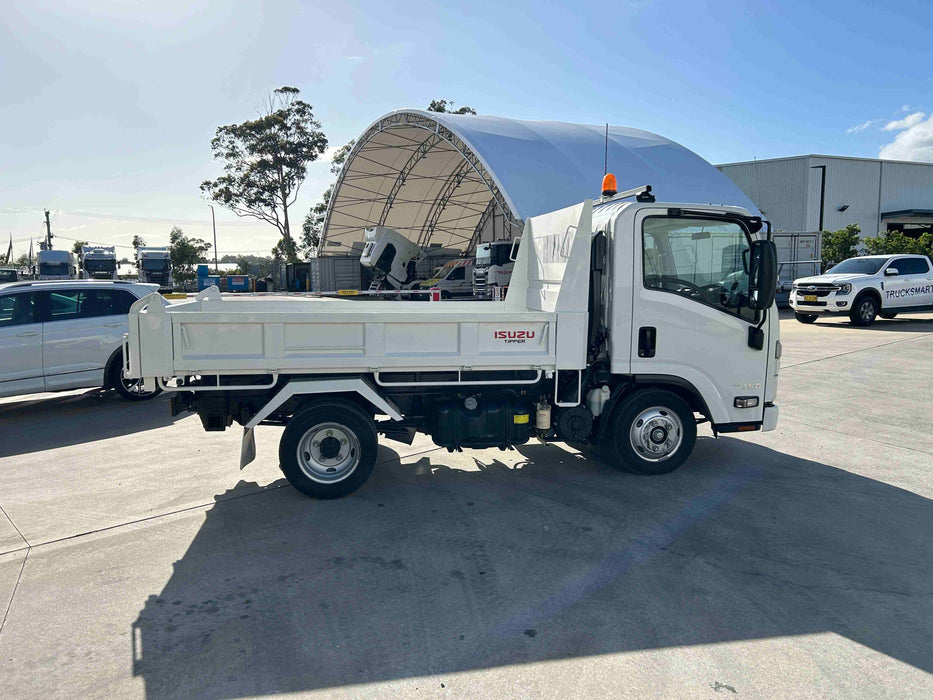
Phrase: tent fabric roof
x=438 y=178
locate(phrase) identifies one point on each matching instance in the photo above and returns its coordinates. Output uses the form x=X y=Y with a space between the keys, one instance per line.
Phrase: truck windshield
x=47 y=268
x=858 y=266
x=155 y=264
x=489 y=254
x=100 y=265
x=702 y=259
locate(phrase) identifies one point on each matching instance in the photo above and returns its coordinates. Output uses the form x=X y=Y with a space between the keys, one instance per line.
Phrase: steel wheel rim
x=328 y=453
x=866 y=310
x=134 y=386
x=656 y=434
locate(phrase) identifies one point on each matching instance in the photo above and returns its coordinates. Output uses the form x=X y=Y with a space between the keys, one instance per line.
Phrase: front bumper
x=770 y=418
x=832 y=303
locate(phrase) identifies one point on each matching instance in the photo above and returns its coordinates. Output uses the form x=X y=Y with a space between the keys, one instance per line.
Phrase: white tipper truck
x=866 y=287
x=627 y=323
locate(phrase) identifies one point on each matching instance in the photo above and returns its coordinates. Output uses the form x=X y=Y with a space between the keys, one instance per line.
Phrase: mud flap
x=247 y=448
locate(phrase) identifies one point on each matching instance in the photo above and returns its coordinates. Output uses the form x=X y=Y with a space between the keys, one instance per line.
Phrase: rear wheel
x=652 y=431
x=129 y=389
x=329 y=449
x=888 y=314
x=805 y=318
x=864 y=311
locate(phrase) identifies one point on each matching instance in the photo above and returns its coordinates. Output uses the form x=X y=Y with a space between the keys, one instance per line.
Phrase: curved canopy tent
x=455 y=180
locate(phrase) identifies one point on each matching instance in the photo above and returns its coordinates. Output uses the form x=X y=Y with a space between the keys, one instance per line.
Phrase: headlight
x=843 y=289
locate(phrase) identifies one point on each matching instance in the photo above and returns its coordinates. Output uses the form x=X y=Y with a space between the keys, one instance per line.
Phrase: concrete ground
x=137 y=560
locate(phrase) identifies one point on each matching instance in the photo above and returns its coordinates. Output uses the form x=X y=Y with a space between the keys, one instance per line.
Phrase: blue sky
x=108 y=107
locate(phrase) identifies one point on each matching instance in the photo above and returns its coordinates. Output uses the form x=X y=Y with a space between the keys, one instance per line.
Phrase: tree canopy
x=896 y=242
x=185 y=252
x=447 y=107
x=840 y=245
x=265 y=161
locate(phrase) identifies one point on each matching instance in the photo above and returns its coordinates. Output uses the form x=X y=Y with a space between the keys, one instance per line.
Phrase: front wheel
x=129 y=389
x=864 y=311
x=329 y=449
x=805 y=318
x=652 y=431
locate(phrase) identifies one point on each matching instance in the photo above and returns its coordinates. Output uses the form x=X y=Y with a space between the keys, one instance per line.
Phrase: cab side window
x=702 y=259
x=17 y=310
x=457 y=274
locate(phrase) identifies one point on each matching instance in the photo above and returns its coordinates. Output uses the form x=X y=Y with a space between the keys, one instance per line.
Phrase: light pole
x=214 y=226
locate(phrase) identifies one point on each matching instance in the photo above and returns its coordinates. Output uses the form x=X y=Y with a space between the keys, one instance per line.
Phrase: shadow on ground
x=432 y=570
x=54 y=421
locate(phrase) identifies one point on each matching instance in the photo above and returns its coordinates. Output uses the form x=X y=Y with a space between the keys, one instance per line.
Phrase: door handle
x=647 y=341
x=112 y=325
x=27 y=334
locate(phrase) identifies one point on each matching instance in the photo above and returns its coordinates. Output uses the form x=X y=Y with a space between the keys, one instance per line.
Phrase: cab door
x=20 y=345
x=690 y=315
x=911 y=286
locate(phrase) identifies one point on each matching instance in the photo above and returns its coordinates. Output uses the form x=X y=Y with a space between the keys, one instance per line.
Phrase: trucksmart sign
x=908 y=292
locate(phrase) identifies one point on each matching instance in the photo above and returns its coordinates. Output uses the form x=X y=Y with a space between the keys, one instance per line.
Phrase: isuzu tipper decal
x=907 y=292
x=514 y=336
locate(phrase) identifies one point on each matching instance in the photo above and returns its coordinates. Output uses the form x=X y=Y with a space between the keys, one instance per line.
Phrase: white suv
x=866 y=287
x=66 y=334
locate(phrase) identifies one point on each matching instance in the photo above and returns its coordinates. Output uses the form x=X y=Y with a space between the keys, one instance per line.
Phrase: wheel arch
x=115 y=356
x=676 y=385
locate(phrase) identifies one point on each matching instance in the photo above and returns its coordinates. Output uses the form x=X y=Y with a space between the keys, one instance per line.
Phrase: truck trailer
x=627 y=324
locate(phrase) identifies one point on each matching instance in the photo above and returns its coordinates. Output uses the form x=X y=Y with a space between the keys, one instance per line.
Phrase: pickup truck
x=627 y=323
x=866 y=287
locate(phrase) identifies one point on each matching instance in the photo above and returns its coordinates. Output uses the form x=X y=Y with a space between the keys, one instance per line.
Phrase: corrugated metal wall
x=788 y=190
x=778 y=187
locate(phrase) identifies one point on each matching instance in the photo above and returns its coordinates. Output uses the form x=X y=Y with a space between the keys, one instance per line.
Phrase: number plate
x=809 y=297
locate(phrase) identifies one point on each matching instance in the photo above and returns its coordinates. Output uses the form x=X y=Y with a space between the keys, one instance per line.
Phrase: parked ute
x=866 y=287
x=626 y=324
x=60 y=335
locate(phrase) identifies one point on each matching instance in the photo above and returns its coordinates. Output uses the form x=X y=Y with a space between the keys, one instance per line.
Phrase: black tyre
x=864 y=311
x=129 y=389
x=888 y=315
x=805 y=318
x=651 y=431
x=328 y=449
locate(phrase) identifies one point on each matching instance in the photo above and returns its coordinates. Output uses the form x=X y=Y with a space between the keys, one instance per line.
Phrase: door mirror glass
x=763 y=274
x=891 y=272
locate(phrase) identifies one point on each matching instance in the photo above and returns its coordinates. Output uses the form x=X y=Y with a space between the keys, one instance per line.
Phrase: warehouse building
x=826 y=193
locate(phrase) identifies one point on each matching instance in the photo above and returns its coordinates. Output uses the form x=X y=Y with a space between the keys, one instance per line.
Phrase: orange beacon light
x=609 y=185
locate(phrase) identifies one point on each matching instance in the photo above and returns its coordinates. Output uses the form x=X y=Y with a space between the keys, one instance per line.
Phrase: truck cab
x=98 y=262
x=155 y=267
x=866 y=287
x=493 y=268
x=390 y=256
x=56 y=265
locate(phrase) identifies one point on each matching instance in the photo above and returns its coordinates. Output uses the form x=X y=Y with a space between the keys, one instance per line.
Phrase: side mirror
x=891 y=272
x=764 y=271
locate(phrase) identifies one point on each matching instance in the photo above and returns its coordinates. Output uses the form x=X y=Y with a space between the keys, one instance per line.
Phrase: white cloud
x=905 y=123
x=914 y=142
x=905 y=108
x=861 y=127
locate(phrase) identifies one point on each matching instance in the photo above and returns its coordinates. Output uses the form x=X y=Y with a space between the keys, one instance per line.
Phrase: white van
x=455 y=279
